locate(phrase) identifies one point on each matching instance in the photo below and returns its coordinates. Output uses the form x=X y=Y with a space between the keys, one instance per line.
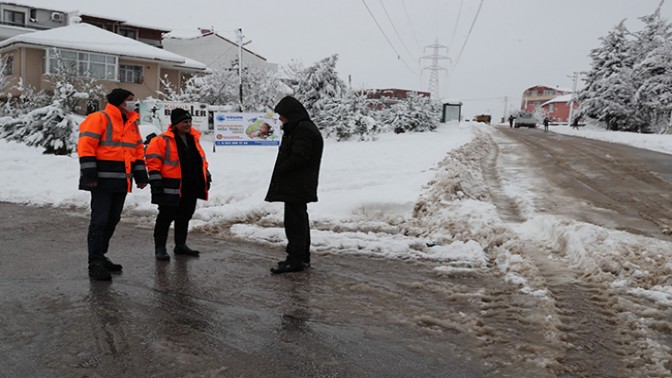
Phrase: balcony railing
x=27 y=26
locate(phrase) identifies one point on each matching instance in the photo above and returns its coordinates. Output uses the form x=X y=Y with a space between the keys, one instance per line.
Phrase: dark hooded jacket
x=297 y=166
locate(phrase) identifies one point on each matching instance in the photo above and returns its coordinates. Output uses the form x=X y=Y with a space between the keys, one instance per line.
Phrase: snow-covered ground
x=409 y=196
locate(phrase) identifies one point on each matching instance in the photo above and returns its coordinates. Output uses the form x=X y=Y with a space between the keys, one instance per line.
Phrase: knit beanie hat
x=118 y=96
x=178 y=115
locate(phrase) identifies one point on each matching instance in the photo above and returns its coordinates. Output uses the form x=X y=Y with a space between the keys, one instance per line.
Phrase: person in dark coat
x=546 y=121
x=294 y=180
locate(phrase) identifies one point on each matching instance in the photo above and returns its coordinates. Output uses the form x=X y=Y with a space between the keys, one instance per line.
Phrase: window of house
x=33 y=15
x=98 y=66
x=130 y=74
x=129 y=33
x=8 y=66
x=14 y=17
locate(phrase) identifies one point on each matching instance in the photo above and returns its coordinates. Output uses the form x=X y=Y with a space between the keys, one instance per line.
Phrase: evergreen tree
x=608 y=94
x=318 y=85
x=652 y=73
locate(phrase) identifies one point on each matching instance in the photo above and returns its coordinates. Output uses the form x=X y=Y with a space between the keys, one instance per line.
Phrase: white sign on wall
x=247 y=129
x=157 y=113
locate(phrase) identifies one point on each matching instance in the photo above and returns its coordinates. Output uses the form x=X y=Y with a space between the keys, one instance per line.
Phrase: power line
x=480 y=5
x=408 y=17
x=395 y=29
x=452 y=39
x=387 y=39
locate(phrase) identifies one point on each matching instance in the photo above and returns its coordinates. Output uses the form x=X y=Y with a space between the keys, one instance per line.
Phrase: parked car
x=525 y=119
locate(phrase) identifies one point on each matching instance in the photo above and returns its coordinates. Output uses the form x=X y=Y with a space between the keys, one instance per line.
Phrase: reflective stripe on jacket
x=163 y=164
x=111 y=152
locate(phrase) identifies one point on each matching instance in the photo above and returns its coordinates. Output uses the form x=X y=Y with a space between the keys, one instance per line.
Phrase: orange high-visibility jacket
x=163 y=164
x=111 y=152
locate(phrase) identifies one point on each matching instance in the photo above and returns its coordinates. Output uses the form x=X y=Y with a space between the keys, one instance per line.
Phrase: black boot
x=160 y=249
x=112 y=267
x=287 y=267
x=98 y=272
x=182 y=249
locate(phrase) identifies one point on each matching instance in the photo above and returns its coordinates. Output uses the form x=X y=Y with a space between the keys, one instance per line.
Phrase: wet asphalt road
x=220 y=315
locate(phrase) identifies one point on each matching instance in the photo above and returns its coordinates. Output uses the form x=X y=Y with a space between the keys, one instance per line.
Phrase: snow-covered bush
x=349 y=117
x=415 y=113
x=49 y=127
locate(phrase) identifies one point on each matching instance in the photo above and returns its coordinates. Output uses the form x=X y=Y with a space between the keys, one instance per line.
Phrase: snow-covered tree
x=262 y=89
x=52 y=125
x=608 y=94
x=652 y=73
x=318 y=85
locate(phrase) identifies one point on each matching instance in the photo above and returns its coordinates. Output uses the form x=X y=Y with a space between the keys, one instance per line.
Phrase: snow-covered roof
x=565 y=98
x=86 y=37
x=191 y=35
x=124 y=21
x=555 y=87
x=451 y=101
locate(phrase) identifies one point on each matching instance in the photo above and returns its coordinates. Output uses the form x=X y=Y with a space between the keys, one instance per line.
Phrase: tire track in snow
x=593 y=339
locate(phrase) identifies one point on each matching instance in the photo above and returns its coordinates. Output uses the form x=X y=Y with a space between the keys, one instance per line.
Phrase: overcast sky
x=514 y=44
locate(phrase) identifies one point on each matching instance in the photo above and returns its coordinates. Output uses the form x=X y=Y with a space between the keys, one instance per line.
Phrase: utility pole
x=506 y=108
x=434 y=68
x=575 y=78
x=239 y=34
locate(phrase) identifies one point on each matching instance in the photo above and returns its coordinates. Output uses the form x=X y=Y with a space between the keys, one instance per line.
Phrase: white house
x=213 y=50
x=115 y=60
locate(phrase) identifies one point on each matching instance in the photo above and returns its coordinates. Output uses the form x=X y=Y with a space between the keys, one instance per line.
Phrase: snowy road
x=602 y=302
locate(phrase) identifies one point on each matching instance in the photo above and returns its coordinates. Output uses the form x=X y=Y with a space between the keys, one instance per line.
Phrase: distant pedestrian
x=575 y=123
x=511 y=118
x=178 y=175
x=111 y=155
x=294 y=180
x=546 y=123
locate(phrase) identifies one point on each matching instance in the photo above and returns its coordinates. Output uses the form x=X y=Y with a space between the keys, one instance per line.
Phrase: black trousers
x=180 y=214
x=106 y=210
x=297 y=230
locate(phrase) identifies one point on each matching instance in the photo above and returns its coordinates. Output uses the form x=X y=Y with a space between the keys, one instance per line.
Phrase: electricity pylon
x=434 y=68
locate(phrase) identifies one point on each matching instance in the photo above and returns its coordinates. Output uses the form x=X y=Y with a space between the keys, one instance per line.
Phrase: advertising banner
x=157 y=113
x=247 y=129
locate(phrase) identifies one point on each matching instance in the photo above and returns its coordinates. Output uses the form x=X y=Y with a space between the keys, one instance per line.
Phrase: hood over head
x=292 y=109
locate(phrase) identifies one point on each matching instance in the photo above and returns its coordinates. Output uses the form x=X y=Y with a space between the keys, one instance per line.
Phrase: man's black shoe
x=112 y=267
x=161 y=254
x=285 y=267
x=306 y=262
x=99 y=273
x=184 y=250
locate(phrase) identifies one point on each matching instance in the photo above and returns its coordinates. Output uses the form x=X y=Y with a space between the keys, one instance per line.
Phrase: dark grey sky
x=514 y=44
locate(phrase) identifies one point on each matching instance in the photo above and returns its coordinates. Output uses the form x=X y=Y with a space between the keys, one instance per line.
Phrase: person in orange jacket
x=111 y=155
x=178 y=175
